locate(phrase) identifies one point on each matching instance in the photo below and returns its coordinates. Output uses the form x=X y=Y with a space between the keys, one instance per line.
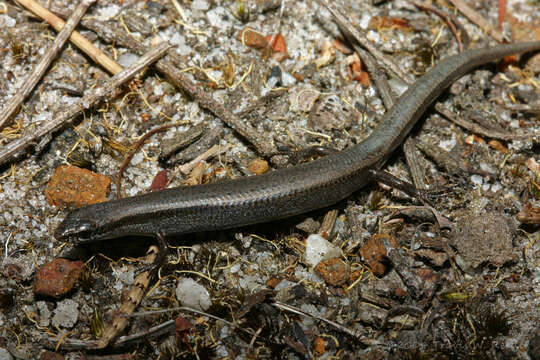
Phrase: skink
x=278 y=194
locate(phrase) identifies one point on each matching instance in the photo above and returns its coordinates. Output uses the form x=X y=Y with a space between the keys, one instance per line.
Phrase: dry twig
x=29 y=83
x=210 y=138
x=343 y=23
x=68 y=344
x=480 y=130
x=126 y=340
x=135 y=148
x=378 y=77
x=133 y=299
x=213 y=151
x=364 y=340
x=427 y=7
x=16 y=148
x=328 y=223
x=533 y=107
x=413 y=161
x=472 y=15
x=76 y=38
x=170 y=146
x=261 y=143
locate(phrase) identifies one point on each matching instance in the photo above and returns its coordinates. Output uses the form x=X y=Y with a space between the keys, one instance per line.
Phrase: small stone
x=160 y=180
x=273 y=282
x=328 y=54
x=43 y=313
x=57 y=278
x=65 y=314
x=252 y=38
x=192 y=294
x=127 y=59
x=319 y=346
x=319 y=249
x=258 y=166
x=71 y=186
x=374 y=252
x=334 y=271
x=437 y=258
x=278 y=43
x=485 y=238
x=309 y=226
x=200 y=5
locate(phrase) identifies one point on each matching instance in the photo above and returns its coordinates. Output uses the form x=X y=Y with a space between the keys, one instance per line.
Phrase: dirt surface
x=377 y=276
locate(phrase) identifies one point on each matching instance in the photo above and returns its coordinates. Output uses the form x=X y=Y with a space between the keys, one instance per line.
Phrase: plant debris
x=376 y=276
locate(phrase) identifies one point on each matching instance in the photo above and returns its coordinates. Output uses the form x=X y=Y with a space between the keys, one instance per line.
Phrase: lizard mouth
x=76 y=231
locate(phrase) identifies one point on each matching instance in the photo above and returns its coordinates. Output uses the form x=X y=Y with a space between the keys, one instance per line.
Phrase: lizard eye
x=70 y=229
x=83 y=227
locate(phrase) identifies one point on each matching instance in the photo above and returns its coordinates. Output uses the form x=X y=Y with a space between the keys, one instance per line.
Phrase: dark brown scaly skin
x=277 y=194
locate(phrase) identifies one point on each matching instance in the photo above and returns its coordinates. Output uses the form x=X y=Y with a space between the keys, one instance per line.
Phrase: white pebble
x=199 y=5
x=108 y=12
x=127 y=59
x=192 y=294
x=477 y=179
x=7 y=21
x=448 y=144
x=319 y=249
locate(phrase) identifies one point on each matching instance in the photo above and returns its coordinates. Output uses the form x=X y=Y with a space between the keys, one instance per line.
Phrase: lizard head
x=77 y=227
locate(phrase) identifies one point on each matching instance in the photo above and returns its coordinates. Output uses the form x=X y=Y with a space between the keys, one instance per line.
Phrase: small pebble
x=65 y=314
x=374 y=252
x=71 y=186
x=319 y=346
x=334 y=271
x=252 y=38
x=127 y=59
x=200 y=5
x=192 y=294
x=43 y=313
x=58 y=277
x=258 y=166
x=319 y=249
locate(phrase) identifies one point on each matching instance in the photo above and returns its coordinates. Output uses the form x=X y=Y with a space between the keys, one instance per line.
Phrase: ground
x=376 y=276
